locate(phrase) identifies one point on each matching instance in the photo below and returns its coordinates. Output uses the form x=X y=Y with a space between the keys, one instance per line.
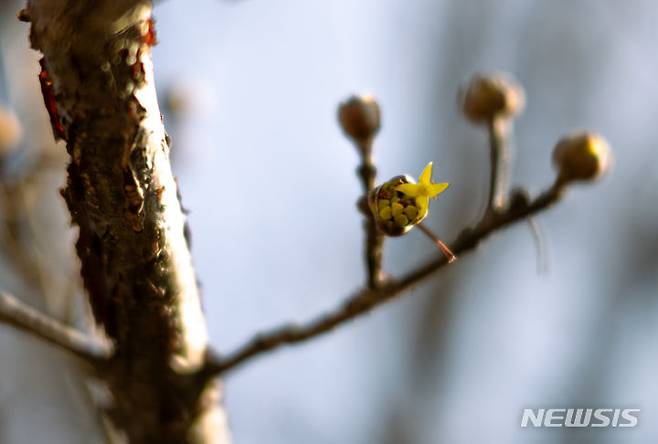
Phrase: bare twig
x=360 y=118
x=374 y=239
x=500 y=158
x=366 y=299
x=542 y=255
x=23 y=317
x=438 y=242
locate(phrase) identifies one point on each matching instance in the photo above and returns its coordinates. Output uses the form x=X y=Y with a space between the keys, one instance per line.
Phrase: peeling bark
x=97 y=80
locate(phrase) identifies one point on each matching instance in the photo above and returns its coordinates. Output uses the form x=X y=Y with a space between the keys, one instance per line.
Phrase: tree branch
x=500 y=158
x=374 y=245
x=360 y=118
x=367 y=299
x=98 y=87
x=25 y=318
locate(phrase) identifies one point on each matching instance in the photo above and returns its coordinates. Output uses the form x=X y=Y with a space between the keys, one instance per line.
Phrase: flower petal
x=437 y=188
x=423 y=203
x=410 y=189
x=426 y=175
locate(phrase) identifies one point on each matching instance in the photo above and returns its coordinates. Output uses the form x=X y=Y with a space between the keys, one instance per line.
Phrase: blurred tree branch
x=31 y=321
x=500 y=160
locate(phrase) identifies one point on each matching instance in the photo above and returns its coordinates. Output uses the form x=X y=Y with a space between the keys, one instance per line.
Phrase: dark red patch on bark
x=150 y=38
x=50 y=102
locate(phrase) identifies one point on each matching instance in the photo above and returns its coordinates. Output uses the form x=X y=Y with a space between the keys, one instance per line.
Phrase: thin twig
x=500 y=159
x=366 y=299
x=374 y=239
x=23 y=317
x=542 y=255
x=438 y=242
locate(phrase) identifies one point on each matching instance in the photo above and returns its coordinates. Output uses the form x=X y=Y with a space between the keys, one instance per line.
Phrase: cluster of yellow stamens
x=401 y=203
x=402 y=211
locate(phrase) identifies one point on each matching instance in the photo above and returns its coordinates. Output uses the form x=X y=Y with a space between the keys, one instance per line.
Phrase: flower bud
x=360 y=117
x=581 y=156
x=395 y=213
x=10 y=131
x=491 y=96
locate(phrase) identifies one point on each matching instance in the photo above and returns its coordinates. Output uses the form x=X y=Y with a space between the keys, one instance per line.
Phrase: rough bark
x=97 y=81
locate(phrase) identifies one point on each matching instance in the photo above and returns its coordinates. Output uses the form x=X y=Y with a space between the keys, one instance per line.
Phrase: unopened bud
x=360 y=117
x=10 y=131
x=491 y=96
x=582 y=156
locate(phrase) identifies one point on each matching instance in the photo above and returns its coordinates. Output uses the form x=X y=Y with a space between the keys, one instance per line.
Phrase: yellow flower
x=400 y=203
x=424 y=190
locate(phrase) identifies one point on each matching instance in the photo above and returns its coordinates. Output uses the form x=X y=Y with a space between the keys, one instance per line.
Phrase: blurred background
x=249 y=90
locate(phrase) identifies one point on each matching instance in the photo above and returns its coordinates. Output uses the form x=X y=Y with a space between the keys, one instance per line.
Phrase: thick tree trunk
x=97 y=80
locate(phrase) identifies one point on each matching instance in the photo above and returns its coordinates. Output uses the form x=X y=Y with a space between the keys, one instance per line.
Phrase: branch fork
x=503 y=210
